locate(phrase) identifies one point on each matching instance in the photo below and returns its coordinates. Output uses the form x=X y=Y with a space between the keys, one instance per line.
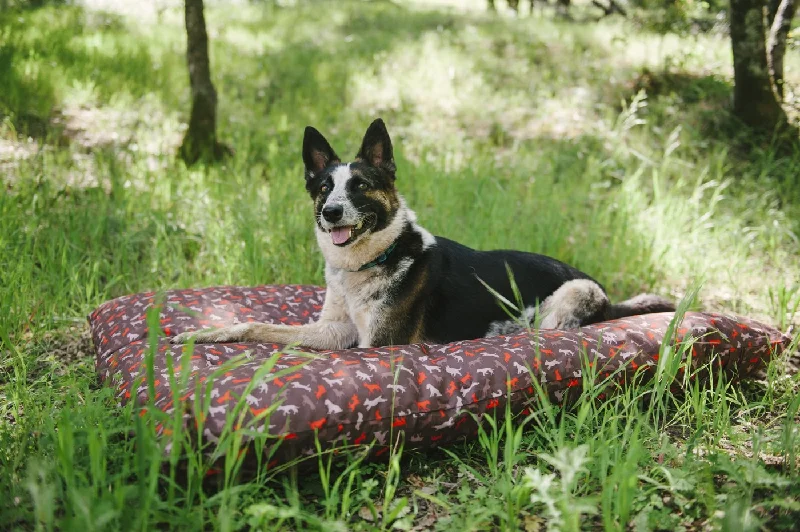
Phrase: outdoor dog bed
x=432 y=394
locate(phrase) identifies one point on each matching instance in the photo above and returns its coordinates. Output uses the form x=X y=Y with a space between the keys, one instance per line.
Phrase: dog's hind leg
x=574 y=304
x=582 y=302
x=577 y=303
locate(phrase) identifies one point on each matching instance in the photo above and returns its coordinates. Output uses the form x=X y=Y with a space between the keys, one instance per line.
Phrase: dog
x=391 y=282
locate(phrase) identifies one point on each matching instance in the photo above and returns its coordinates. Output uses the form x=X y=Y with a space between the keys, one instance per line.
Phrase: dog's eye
x=362 y=186
x=324 y=189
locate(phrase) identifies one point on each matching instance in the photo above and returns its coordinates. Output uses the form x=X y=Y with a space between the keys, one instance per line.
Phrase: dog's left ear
x=376 y=148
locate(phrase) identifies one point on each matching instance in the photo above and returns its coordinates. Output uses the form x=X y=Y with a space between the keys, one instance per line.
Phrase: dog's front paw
x=211 y=336
x=183 y=338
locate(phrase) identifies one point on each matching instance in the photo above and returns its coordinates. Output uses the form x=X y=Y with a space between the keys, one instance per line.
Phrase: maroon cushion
x=358 y=396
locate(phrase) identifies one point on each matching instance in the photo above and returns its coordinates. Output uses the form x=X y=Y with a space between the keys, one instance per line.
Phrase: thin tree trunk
x=200 y=140
x=613 y=7
x=772 y=10
x=776 y=43
x=754 y=101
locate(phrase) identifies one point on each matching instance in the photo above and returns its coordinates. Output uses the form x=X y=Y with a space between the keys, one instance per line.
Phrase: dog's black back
x=456 y=269
x=443 y=293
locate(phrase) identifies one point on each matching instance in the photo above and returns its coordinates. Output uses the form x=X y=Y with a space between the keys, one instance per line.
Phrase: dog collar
x=380 y=260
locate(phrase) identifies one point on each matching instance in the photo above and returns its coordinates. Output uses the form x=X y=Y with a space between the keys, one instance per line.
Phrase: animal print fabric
x=427 y=394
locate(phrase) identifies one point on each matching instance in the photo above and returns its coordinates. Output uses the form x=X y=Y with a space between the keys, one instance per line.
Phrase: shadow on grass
x=26 y=101
x=306 y=73
x=703 y=103
x=691 y=88
x=49 y=50
x=44 y=50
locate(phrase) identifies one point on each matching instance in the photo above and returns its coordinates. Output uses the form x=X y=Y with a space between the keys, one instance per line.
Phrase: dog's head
x=351 y=200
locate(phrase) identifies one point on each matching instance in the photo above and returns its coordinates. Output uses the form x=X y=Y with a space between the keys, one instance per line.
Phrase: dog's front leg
x=396 y=327
x=333 y=330
x=318 y=335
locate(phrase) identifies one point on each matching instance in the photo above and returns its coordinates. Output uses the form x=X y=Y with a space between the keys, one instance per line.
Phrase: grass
x=529 y=133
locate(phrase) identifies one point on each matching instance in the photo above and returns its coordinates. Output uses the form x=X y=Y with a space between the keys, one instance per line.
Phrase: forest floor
x=597 y=142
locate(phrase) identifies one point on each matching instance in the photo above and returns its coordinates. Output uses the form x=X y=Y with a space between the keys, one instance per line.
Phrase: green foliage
x=568 y=139
x=681 y=16
x=12 y=5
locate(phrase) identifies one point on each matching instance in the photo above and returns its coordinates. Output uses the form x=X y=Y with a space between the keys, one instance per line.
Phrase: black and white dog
x=391 y=282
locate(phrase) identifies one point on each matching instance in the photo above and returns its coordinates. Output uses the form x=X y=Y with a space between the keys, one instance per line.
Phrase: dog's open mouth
x=341 y=236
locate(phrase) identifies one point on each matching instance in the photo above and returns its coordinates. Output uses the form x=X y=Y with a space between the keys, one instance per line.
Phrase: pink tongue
x=340 y=235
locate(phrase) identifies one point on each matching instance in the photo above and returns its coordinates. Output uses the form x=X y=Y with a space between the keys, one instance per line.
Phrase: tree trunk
x=200 y=141
x=754 y=101
x=613 y=7
x=772 y=10
x=776 y=43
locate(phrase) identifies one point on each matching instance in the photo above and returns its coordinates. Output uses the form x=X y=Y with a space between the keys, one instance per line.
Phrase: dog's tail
x=641 y=304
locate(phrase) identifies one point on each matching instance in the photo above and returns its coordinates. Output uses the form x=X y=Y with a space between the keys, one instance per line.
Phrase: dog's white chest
x=365 y=296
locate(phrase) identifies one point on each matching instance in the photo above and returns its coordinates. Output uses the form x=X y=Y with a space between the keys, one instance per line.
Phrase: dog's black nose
x=332 y=213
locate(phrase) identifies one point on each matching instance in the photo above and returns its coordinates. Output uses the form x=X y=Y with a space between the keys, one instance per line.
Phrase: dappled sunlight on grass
x=705 y=223
x=460 y=5
x=82 y=61
x=452 y=87
x=511 y=108
x=248 y=41
x=432 y=96
x=633 y=49
x=143 y=10
x=597 y=143
x=466 y=93
x=699 y=236
x=261 y=28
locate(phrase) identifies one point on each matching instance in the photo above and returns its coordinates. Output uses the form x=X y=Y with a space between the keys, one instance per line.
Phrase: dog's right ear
x=317 y=153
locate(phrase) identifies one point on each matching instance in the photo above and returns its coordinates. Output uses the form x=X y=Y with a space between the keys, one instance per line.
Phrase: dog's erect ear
x=376 y=148
x=317 y=153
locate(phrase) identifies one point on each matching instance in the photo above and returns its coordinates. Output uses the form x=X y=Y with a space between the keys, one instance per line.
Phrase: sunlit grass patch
x=64 y=62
